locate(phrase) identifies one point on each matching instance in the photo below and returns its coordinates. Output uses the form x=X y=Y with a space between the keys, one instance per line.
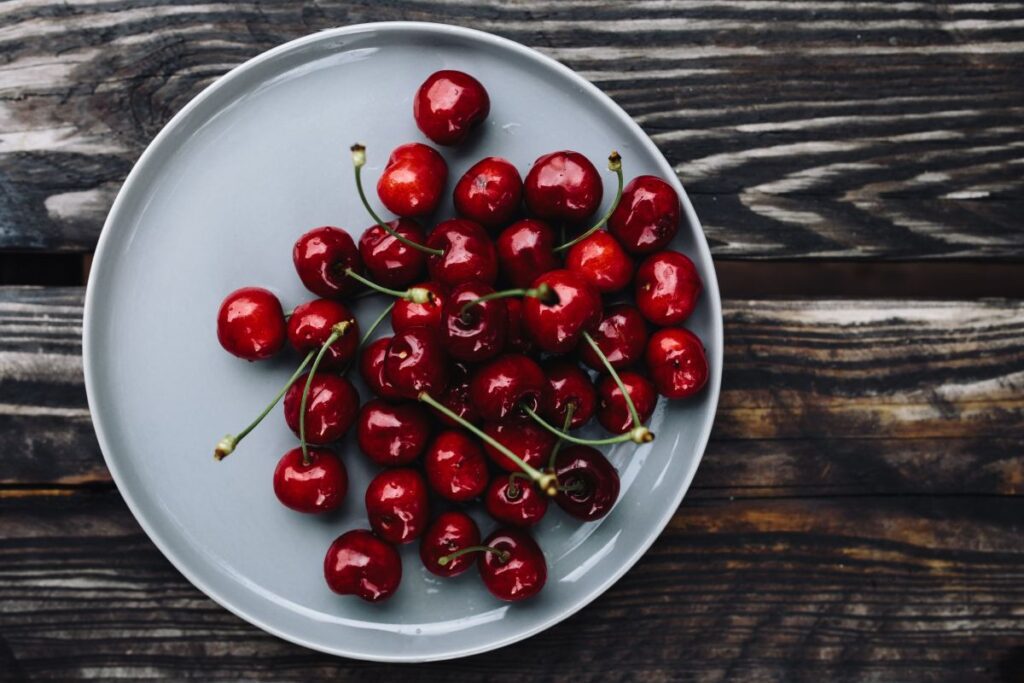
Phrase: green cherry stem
x=513 y=487
x=638 y=435
x=614 y=164
x=417 y=295
x=543 y=292
x=569 y=410
x=337 y=331
x=445 y=560
x=376 y=323
x=618 y=380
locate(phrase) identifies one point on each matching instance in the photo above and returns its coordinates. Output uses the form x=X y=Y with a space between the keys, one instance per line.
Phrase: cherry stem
x=614 y=164
x=227 y=445
x=638 y=435
x=376 y=323
x=569 y=410
x=618 y=380
x=547 y=296
x=545 y=480
x=417 y=295
x=513 y=487
x=573 y=487
x=445 y=560
x=337 y=331
x=358 y=160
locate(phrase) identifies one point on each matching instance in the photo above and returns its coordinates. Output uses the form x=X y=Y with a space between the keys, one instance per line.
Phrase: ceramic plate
x=215 y=203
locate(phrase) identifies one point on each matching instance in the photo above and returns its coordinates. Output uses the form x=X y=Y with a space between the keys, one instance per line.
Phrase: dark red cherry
x=501 y=386
x=408 y=314
x=321 y=257
x=371 y=368
x=525 y=438
x=456 y=397
x=311 y=324
x=331 y=407
x=621 y=336
x=456 y=467
x=667 y=288
x=449 y=105
x=563 y=186
x=558 y=327
x=416 y=362
x=589 y=485
x=468 y=253
x=677 y=362
x=387 y=259
x=392 y=434
x=647 y=217
x=526 y=250
x=518 y=571
x=250 y=324
x=413 y=180
x=358 y=563
x=515 y=501
x=602 y=262
x=613 y=413
x=567 y=384
x=516 y=338
x=489 y=192
x=478 y=333
x=397 y=505
x=319 y=486
x=450 y=532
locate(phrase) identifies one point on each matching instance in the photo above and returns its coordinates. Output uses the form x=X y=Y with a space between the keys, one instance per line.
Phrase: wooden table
x=859 y=169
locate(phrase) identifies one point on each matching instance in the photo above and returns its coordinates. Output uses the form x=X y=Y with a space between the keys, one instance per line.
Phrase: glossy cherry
x=621 y=336
x=677 y=362
x=448 y=105
x=312 y=323
x=647 y=217
x=516 y=338
x=358 y=563
x=416 y=362
x=413 y=180
x=513 y=500
x=456 y=467
x=667 y=288
x=563 y=186
x=408 y=314
x=321 y=257
x=319 y=486
x=397 y=505
x=613 y=413
x=456 y=396
x=501 y=386
x=392 y=434
x=526 y=250
x=489 y=192
x=525 y=438
x=558 y=327
x=250 y=324
x=331 y=407
x=588 y=483
x=448 y=533
x=518 y=570
x=473 y=333
x=567 y=384
x=371 y=368
x=467 y=253
x=387 y=259
x=602 y=262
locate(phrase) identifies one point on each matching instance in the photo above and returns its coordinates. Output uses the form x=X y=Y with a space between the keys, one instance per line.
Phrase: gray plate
x=215 y=203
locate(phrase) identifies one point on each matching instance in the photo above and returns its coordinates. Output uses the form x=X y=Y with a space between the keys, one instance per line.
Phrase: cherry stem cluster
x=614 y=164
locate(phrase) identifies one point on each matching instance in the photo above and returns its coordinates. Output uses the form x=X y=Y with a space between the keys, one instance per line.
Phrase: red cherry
x=321 y=257
x=563 y=186
x=415 y=362
x=250 y=324
x=677 y=362
x=489 y=192
x=621 y=336
x=413 y=180
x=392 y=434
x=330 y=407
x=516 y=338
x=371 y=368
x=567 y=384
x=500 y=387
x=311 y=324
x=456 y=397
x=456 y=467
x=647 y=217
x=526 y=250
x=515 y=502
x=449 y=105
x=468 y=253
x=408 y=314
x=588 y=482
x=518 y=571
x=667 y=288
x=602 y=262
x=397 y=505
x=527 y=439
x=388 y=261
x=319 y=486
x=558 y=328
x=450 y=532
x=613 y=413
x=478 y=333
x=358 y=563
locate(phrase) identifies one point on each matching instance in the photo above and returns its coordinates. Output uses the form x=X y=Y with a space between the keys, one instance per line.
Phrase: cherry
x=371 y=368
x=563 y=186
x=602 y=262
x=456 y=467
x=448 y=105
x=613 y=413
x=466 y=253
x=413 y=180
x=449 y=533
x=557 y=327
x=473 y=331
x=517 y=570
x=567 y=385
x=313 y=322
x=667 y=288
x=318 y=485
x=387 y=259
x=322 y=256
x=489 y=192
x=456 y=396
x=588 y=484
x=529 y=441
x=330 y=408
x=677 y=362
x=500 y=387
x=516 y=338
x=526 y=250
x=392 y=434
x=397 y=506
x=408 y=313
x=512 y=501
x=250 y=324
x=621 y=336
x=647 y=218
x=358 y=563
x=415 y=362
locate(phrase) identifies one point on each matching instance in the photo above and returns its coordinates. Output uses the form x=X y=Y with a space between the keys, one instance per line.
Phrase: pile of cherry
x=482 y=387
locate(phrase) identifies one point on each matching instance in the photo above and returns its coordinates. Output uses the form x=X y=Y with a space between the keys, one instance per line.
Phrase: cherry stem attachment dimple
x=445 y=560
x=337 y=331
x=637 y=434
x=614 y=164
x=417 y=295
x=618 y=380
x=543 y=292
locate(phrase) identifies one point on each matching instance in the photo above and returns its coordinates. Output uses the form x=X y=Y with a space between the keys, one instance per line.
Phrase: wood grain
x=839 y=129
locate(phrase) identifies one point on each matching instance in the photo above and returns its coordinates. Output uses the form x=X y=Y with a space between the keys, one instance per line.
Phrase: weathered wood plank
x=801 y=129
